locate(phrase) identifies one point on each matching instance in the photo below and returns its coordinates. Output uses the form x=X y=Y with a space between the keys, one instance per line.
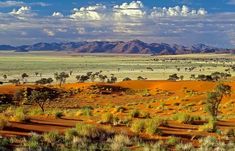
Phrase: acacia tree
x=39 y=97
x=5 y=77
x=44 y=81
x=15 y=81
x=24 y=76
x=61 y=77
x=214 y=99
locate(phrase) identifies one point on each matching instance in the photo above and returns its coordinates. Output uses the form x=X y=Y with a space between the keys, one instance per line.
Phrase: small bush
x=3 y=122
x=137 y=126
x=120 y=109
x=229 y=132
x=145 y=114
x=59 y=114
x=87 y=130
x=151 y=127
x=160 y=121
x=208 y=143
x=186 y=118
x=119 y=142
x=107 y=118
x=208 y=127
x=33 y=143
x=71 y=133
x=20 y=115
x=87 y=112
x=173 y=140
x=184 y=147
x=35 y=111
x=51 y=137
x=159 y=146
x=4 y=142
x=135 y=113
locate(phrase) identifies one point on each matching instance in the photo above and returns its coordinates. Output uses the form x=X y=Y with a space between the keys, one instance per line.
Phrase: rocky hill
x=130 y=47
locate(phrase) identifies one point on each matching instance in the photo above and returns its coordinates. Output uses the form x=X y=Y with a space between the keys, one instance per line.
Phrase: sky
x=185 y=22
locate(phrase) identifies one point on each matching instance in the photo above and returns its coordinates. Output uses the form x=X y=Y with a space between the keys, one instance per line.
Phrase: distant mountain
x=130 y=47
x=7 y=47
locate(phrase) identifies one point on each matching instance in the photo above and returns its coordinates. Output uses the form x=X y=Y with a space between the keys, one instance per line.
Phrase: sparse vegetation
x=130 y=115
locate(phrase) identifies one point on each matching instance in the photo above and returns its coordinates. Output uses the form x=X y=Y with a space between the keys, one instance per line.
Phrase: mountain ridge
x=129 y=47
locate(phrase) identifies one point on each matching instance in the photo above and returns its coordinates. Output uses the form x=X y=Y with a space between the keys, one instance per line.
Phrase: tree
x=92 y=77
x=61 y=77
x=127 y=79
x=141 y=78
x=36 y=74
x=214 y=99
x=4 y=77
x=173 y=77
x=112 y=79
x=181 y=77
x=102 y=77
x=44 y=81
x=15 y=81
x=24 y=76
x=192 y=77
x=82 y=78
x=39 y=97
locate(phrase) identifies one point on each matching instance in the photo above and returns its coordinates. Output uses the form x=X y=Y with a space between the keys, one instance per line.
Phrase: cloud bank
x=125 y=21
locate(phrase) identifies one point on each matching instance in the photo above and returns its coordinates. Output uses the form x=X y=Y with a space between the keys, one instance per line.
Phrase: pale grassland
x=14 y=64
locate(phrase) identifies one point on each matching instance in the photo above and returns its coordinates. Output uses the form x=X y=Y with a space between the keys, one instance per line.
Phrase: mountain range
x=130 y=47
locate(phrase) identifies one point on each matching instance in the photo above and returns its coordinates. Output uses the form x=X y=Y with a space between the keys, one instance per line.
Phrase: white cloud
x=132 y=9
x=42 y=4
x=49 y=32
x=177 y=11
x=179 y=24
x=57 y=14
x=23 y=12
x=95 y=12
x=11 y=3
x=81 y=30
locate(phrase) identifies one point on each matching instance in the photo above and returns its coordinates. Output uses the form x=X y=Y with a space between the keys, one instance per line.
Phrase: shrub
x=145 y=114
x=119 y=142
x=182 y=118
x=160 y=121
x=208 y=127
x=59 y=114
x=186 y=118
x=70 y=133
x=4 y=142
x=159 y=146
x=35 y=111
x=184 y=147
x=173 y=140
x=87 y=130
x=135 y=113
x=230 y=132
x=85 y=112
x=120 y=109
x=3 y=122
x=20 y=115
x=208 y=143
x=151 y=127
x=51 y=137
x=34 y=142
x=137 y=126
x=107 y=118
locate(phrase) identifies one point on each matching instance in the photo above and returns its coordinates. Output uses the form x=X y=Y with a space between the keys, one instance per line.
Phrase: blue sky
x=171 y=21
